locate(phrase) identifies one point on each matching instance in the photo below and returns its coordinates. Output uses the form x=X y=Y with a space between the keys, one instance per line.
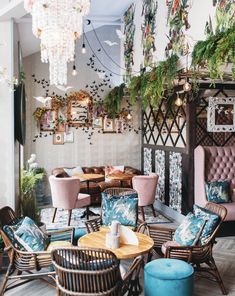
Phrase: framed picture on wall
x=48 y=120
x=109 y=125
x=58 y=138
x=221 y=114
x=69 y=137
x=97 y=122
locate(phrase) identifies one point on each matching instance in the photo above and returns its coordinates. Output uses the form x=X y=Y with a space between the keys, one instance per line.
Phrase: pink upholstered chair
x=65 y=195
x=146 y=189
x=214 y=164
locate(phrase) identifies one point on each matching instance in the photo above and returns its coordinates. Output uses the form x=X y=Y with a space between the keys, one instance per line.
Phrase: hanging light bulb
x=187 y=86
x=74 y=72
x=178 y=101
x=129 y=116
x=83 y=48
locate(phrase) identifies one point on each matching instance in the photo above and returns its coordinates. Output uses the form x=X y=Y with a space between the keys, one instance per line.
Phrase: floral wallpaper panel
x=149 y=11
x=129 y=32
x=147 y=161
x=175 y=182
x=160 y=170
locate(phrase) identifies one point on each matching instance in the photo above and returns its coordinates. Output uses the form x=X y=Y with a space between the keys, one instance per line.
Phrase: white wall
x=7 y=151
x=106 y=149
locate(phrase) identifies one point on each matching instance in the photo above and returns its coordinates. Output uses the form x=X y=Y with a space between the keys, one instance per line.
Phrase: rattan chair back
x=82 y=272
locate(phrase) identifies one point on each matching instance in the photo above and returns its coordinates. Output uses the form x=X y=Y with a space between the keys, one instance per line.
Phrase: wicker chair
x=23 y=261
x=196 y=255
x=81 y=272
x=95 y=224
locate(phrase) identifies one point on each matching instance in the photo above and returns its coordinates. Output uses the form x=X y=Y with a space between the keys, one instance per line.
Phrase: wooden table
x=89 y=178
x=97 y=240
x=120 y=177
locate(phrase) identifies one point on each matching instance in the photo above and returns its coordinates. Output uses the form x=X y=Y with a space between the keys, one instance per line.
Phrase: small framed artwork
x=221 y=114
x=109 y=125
x=48 y=120
x=119 y=126
x=69 y=137
x=97 y=122
x=58 y=138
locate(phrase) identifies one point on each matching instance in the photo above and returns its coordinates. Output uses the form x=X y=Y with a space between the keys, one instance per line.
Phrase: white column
x=7 y=145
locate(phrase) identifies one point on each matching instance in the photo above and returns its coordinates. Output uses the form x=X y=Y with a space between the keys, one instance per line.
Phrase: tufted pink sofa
x=214 y=164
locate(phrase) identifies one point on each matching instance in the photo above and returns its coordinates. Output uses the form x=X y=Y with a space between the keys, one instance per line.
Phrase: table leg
x=87 y=212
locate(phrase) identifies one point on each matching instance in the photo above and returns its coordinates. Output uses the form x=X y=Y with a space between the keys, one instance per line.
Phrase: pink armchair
x=65 y=195
x=214 y=164
x=146 y=189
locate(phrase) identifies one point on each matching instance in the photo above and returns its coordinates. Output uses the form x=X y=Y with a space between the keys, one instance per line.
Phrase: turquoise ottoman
x=168 y=277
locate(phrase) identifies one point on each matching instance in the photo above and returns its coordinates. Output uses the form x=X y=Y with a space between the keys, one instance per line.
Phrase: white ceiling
x=103 y=12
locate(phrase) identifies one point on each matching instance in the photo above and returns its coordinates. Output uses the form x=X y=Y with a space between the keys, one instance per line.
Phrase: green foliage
x=152 y=86
x=29 y=181
x=215 y=51
x=113 y=100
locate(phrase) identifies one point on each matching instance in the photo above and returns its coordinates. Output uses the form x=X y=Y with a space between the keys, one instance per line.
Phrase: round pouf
x=167 y=277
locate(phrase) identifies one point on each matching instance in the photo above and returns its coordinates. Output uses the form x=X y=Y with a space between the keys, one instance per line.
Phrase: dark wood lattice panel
x=165 y=126
x=203 y=137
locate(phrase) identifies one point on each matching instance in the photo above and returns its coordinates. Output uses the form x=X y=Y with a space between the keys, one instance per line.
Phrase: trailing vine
x=151 y=86
x=113 y=100
x=217 y=50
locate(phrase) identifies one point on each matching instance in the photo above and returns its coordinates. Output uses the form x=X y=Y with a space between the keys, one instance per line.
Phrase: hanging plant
x=113 y=100
x=214 y=52
x=151 y=86
x=38 y=113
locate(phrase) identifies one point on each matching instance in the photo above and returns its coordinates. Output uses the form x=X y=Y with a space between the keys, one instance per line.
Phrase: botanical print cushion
x=72 y=172
x=187 y=233
x=218 y=191
x=30 y=236
x=212 y=221
x=10 y=230
x=123 y=209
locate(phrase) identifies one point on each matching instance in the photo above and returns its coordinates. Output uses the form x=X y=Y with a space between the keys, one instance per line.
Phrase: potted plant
x=29 y=180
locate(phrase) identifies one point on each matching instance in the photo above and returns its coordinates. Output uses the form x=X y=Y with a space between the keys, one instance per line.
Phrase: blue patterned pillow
x=10 y=230
x=30 y=236
x=187 y=233
x=212 y=221
x=218 y=191
x=123 y=209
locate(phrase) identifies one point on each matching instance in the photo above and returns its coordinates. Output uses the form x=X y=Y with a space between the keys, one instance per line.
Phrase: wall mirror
x=80 y=109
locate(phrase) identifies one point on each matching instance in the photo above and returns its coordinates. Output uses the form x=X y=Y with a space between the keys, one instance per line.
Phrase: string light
x=178 y=101
x=74 y=72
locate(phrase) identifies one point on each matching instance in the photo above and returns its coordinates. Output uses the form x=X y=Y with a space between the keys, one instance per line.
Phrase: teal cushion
x=212 y=221
x=218 y=191
x=78 y=232
x=121 y=208
x=10 y=230
x=170 y=269
x=30 y=236
x=187 y=233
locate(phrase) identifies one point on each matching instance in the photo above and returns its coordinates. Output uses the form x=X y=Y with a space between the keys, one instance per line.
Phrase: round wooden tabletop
x=120 y=176
x=89 y=177
x=97 y=240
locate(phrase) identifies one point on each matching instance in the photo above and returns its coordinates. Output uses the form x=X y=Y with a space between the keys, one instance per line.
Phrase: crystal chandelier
x=58 y=23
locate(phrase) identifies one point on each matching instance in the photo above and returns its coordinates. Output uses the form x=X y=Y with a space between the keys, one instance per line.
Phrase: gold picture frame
x=80 y=109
